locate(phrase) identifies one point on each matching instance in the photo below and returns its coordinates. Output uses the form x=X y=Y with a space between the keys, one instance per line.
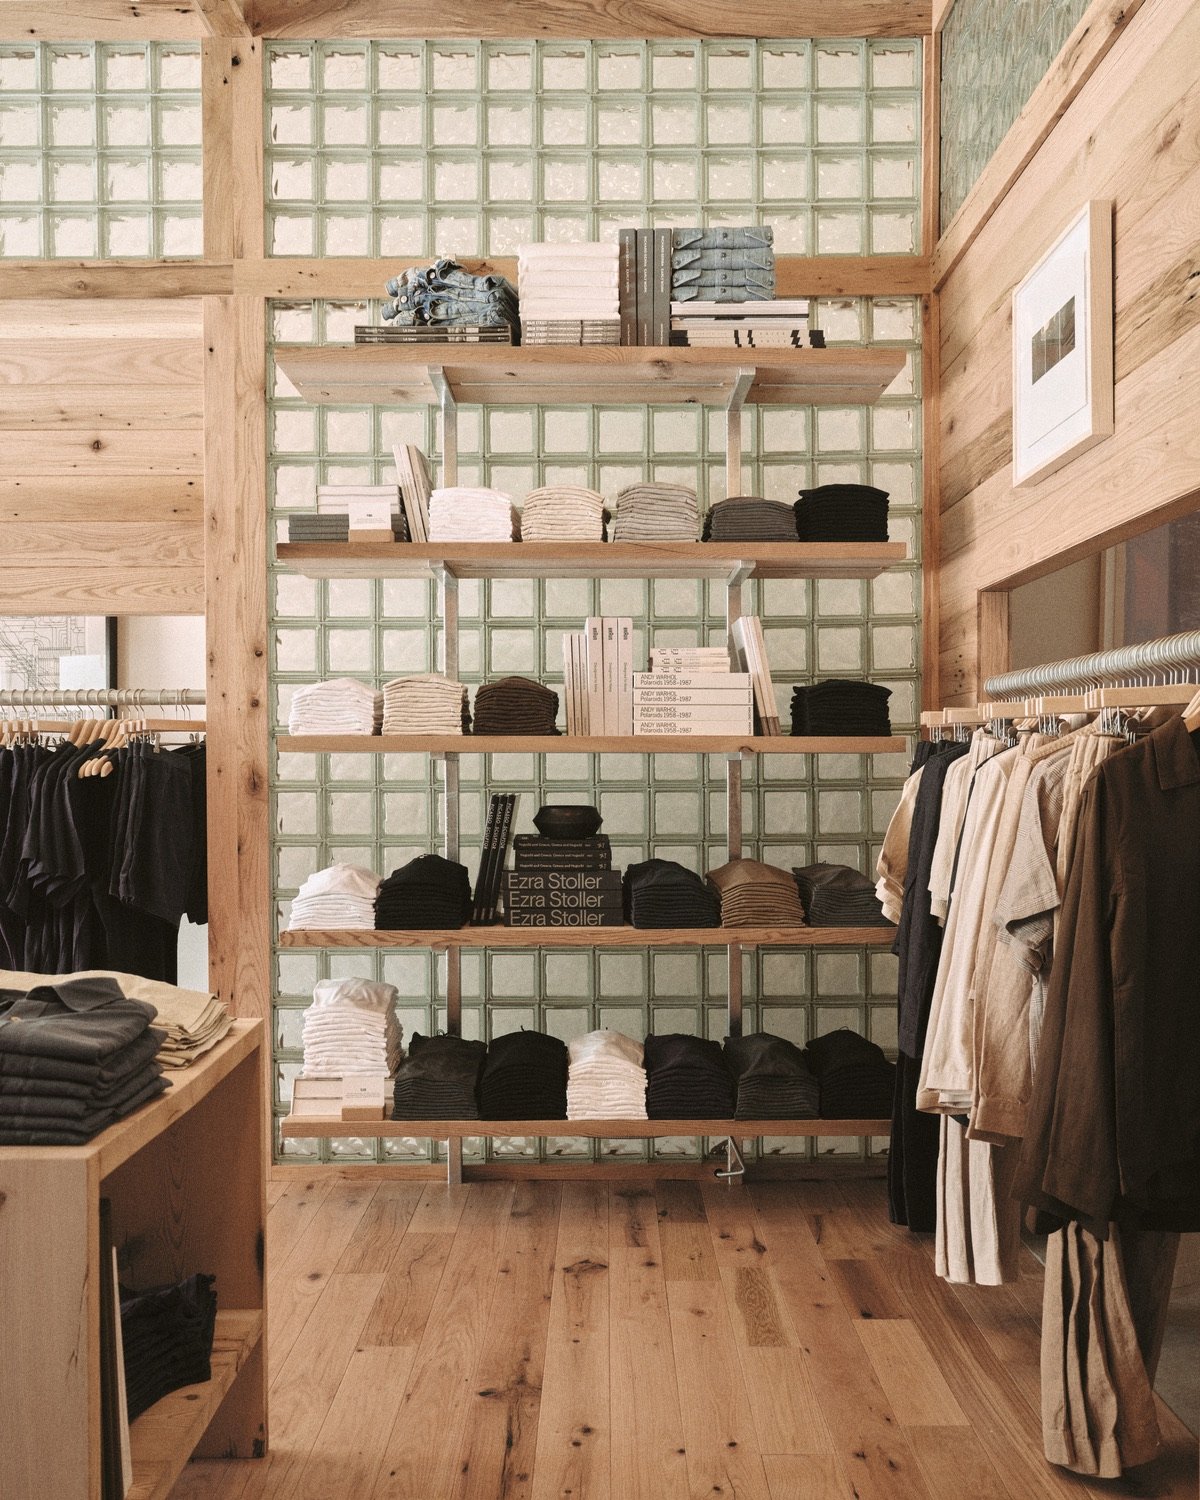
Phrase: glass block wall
x=382 y=810
x=476 y=148
x=994 y=54
x=100 y=150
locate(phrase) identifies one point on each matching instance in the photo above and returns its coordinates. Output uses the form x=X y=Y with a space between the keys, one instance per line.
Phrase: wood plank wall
x=102 y=457
x=1132 y=135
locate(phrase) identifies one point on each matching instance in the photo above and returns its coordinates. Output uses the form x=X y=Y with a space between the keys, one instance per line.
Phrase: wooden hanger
x=1191 y=715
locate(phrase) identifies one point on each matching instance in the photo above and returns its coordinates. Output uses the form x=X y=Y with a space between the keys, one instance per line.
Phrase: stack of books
x=562 y=883
x=598 y=676
x=693 y=702
x=429 y=333
x=751 y=648
x=781 y=323
x=537 y=332
x=416 y=486
x=492 y=855
x=644 y=277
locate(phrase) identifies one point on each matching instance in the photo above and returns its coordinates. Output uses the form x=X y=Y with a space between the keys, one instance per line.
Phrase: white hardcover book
x=713 y=697
x=594 y=654
x=612 y=677
x=720 y=680
x=579 y=681
x=682 y=713
x=734 y=728
x=771 y=716
x=625 y=674
x=568 y=682
x=408 y=492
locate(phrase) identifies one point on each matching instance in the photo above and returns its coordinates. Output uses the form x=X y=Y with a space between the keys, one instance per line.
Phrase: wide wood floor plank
x=865 y=1291
x=723 y=1457
x=808 y=1477
x=633 y=1217
x=908 y=1372
x=410 y=1284
x=344 y=1457
x=574 y=1427
x=687 y=1250
x=955 y=1465
x=419 y=1455
x=732 y=1227
x=440 y=1208
x=377 y=1235
x=291 y=1213
x=500 y=1437
x=647 y=1459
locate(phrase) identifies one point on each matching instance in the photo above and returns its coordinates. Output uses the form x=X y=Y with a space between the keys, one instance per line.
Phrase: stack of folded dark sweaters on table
x=167 y=1339
x=772 y=1079
x=661 y=893
x=76 y=1055
x=841 y=706
x=686 y=1079
x=438 y=1079
x=838 y=896
x=427 y=893
x=749 y=518
x=524 y=1078
x=515 y=705
x=754 y=894
x=842 y=513
x=857 y=1081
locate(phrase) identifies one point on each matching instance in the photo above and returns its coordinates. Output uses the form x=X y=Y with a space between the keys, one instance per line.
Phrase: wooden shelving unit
x=570 y=744
x=457 y=938
x=185 y=1177
x=718 y=560
x=313 y=1126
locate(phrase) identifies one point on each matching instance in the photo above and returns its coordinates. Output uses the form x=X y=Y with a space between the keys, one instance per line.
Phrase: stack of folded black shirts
x=857 y=1081
x=75 y=1056
x=772 y=1079
x=167 y=1338
x=661 y=893
x=838 y=896
x=686 y=1079
x=524 y=1078
x=314 y=526
x=515 y=705
x=427 y=892
x=438 y=1080
x=750 y=518
x=841 y=706
x=842 y=513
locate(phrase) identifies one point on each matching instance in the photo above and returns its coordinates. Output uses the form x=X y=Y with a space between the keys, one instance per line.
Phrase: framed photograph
x=1062 y=320
x=57 y=651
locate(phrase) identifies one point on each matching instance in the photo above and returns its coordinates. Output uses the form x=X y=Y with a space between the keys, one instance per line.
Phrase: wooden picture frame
x=1062 y=331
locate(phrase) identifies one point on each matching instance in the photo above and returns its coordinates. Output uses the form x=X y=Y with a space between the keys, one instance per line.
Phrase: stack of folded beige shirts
x=425 y=704
x=194 y=1021
x=562 y=512
x=656 y=513
x=756 y=895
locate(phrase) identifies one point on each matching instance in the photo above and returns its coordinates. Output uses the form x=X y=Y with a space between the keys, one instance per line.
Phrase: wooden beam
x=115 y=278
x=993 y=652
x=246 y=63
x=216 y=108
x=589 y=19
x=1099 y=27
x=99 y=21
x=940 y=14
x=222 y=18
x=931 y=143
x=931 y=509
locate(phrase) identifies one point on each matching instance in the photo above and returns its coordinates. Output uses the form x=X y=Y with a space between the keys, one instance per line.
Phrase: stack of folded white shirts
x=426 y=704
x=464 y=513
x=341 y=896
x=351 y=1027
x=656 y=513
x=342 y=706
x=569 y=294
x=606 y=1079
x=562 y=512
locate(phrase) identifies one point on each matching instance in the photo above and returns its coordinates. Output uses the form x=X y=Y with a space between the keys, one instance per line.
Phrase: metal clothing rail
x=1171 y=658
x=102 y=698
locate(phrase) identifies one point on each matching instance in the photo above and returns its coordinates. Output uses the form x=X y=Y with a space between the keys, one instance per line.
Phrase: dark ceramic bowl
x=563 y=822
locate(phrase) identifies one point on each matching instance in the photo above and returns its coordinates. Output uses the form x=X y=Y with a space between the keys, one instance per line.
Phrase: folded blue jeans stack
x=445 y=295
x=723 y=265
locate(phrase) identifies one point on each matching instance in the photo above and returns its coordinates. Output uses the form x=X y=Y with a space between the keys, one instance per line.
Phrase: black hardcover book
x=579 y=901
x=504 y=830
x=547 y=882
x=540 y=842
x=565 y=919
x=627 y=284
x=535 y=864
x=660 y=329
x=645 y=285
x=479 y=900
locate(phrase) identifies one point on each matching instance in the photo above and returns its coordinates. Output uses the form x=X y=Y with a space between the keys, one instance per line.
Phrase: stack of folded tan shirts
x=425 y=704
x=562 y=512
x=656 y=513
x=193 y=1020
x=465 y=513
x=756 y=895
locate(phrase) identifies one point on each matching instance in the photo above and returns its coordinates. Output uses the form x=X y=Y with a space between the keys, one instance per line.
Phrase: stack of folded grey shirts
x=76 y=1055
x=661 y=893
x=656 y=512
x=838 y=896
x=166 y=1339
x=340 y=896
x=426 y=703
x=341 y=706
x=842 y=513
x=754 y=894
x=438 y=1079
x=686 y=1079
x=311 y=526
x=470 y=513
x=561 y=513
x=749 y=518
x=515 y=705
x=841 y=706
x=723 y=265
x=857 y=1081
x=772 y=1079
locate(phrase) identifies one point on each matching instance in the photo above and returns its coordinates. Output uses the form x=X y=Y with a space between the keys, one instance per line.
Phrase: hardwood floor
x=643 y=1341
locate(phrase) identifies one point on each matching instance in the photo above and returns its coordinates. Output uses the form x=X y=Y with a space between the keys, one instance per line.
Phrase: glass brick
x=128 y=234
x=291 y=178
x=564 y=123
x=620 y=68
x=289 y=67
x=345 y=125
x=565 y=69
x=673 y=124
x=728 y=68
x=564 y=179
x=402 y=178
x=620 y=178
x=73 y=125
x=673 y=179
x=893 y=233
x=291 y=124
x=839 y=233
x=71 y=69
x=18 y=69
x=782 y=177
x=783 y=123
x=20 y=182
x=619 y=123
x=124 y=68
x=18 y=125
x=839 y=66
x=455 y=124
x=893 y=176
x=399 y=69
x=72 y=181
x=455 y=178
x=73 y=235
x=839 y=176
x=893 y=66
x=454 y=69
x=509 y=68
x=839 y=121
x=729 y=124
x=343 y=70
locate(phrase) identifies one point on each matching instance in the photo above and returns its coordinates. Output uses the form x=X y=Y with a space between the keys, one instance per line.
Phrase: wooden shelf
x=314 y=1126
x=591 y=559
x=499 y=936
x=501 y=375
x=163 y=1438
x=571 y=744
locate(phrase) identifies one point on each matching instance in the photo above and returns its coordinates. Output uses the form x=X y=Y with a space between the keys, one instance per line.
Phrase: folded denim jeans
x=751 y=236
x=747 y=285
x=444 y=293
x=723 y=260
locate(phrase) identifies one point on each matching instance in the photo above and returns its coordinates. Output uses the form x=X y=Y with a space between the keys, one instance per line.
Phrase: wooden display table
x=185 y=1177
